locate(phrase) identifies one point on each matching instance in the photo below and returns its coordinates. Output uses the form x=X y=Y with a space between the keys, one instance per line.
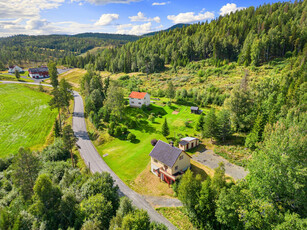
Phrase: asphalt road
x=94 y=161
x=96 y=164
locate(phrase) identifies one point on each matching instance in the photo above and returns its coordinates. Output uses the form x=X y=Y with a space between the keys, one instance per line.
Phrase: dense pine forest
x=22 y=49
x=250 y=36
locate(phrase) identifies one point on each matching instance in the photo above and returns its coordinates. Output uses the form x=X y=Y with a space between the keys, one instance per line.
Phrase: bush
x=118 y=131
x=131 y=137
x=153 y=142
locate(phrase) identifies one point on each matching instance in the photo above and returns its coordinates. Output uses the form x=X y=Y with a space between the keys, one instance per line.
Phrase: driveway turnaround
x=94 y=161
x=212 y=160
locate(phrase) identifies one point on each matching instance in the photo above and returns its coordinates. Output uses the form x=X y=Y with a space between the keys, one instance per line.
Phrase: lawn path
x=94 y=161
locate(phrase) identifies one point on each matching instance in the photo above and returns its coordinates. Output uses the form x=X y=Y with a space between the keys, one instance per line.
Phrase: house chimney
x=172 y=143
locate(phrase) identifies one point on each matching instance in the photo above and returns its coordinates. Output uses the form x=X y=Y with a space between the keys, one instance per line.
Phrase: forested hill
x=179 y=25
x=250 y=36
x=21 y=49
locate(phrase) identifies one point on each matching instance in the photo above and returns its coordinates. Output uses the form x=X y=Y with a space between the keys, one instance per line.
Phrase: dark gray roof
x=194 y=108
x=165 y=153
x=35 y=70
x=183 y=142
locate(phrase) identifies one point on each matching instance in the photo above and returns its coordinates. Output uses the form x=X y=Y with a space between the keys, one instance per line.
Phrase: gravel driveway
x=212 y=160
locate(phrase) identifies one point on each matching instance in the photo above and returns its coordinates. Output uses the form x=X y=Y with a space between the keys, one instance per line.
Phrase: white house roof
x=188 y=139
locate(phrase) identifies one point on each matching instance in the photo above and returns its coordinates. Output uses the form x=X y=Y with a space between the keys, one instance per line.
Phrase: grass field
x=128 y=159
x=177 y=217
x=25 y=118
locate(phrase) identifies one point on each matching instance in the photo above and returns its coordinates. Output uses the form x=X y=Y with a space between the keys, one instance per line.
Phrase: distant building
x=13 y=68
x=37 y=73
x=168 y=162
x=188 y=143
x=196 y=110
x=137 y=99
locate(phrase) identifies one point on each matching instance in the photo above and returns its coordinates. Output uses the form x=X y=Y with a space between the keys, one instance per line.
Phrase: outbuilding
x=188 y=143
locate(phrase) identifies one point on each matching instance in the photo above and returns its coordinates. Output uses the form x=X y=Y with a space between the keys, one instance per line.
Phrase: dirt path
x=212 y=160
x=157 y=201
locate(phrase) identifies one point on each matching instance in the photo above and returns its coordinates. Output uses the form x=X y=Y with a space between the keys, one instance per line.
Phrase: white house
x=13 y=68
x=137 y=99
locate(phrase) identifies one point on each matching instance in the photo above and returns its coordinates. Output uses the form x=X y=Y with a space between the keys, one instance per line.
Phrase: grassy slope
x=129 y=159
x=177 y=217
x=25 y=118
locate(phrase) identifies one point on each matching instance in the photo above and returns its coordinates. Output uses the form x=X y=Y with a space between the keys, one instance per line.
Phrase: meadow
x=25 y=118
x=129 y=159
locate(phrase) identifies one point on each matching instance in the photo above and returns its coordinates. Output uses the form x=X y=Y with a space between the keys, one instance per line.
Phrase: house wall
x=134 y=102
x=182 y=164
x=188 y=146
x=158 y=164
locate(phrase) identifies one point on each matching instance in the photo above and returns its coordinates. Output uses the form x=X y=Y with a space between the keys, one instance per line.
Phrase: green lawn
x=25 y=118
x=128 y=159
x=177 y=217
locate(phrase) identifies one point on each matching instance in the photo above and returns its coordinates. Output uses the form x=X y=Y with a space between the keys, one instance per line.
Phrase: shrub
x=153 y=142
x=118 y=131
x=131 y=137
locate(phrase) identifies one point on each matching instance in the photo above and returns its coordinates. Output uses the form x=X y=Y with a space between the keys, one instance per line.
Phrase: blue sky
x=108 y=16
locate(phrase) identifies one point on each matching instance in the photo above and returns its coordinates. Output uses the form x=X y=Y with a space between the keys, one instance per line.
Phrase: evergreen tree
x=25 y=171
x=223 y=125
x=57 y=129
x=17 y=75
x=165 y=128
x=53 y=73
x=200 y=123
x=210 y=125
x=69 y=140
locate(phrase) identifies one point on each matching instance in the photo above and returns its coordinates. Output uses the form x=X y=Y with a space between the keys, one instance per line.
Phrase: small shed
x=188 y=143
x=195 y=110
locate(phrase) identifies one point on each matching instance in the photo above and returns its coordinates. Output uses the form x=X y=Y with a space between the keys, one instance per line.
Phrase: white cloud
x=189 y=17
x=160 y=3
x=36 y=24
x=230 y=7
x=106 y=19
x=26 y=8
x=134 y=29
x=141 y=17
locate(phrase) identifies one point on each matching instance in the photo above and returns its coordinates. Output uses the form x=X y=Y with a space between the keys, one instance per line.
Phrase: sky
x=43 y=17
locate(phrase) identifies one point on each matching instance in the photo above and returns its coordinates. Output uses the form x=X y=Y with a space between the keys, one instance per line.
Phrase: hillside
x=26 y=50
x=250 y=36
x=179 y=25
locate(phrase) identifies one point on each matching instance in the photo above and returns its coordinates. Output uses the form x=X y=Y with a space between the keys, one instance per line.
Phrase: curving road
x=94 y=161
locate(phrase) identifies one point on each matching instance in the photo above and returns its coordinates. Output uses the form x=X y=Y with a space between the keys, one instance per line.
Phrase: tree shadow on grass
x=144 y=126
x=136 y=141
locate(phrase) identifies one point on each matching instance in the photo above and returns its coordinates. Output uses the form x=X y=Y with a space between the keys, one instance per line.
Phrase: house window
x=181 y=157
x=132 y=102
x=140 y=103
x=176 y=168
x=155 y=161
x=165 y=167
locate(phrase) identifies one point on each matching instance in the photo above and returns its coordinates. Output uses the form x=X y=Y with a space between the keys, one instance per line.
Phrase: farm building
x=168 y=162
x=188 y=143
x=13 y=68
x=41 y=72
x=137 y=99
x=196 y=110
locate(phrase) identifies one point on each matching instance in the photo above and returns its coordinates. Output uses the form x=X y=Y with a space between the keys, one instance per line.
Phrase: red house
x=37 y=73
